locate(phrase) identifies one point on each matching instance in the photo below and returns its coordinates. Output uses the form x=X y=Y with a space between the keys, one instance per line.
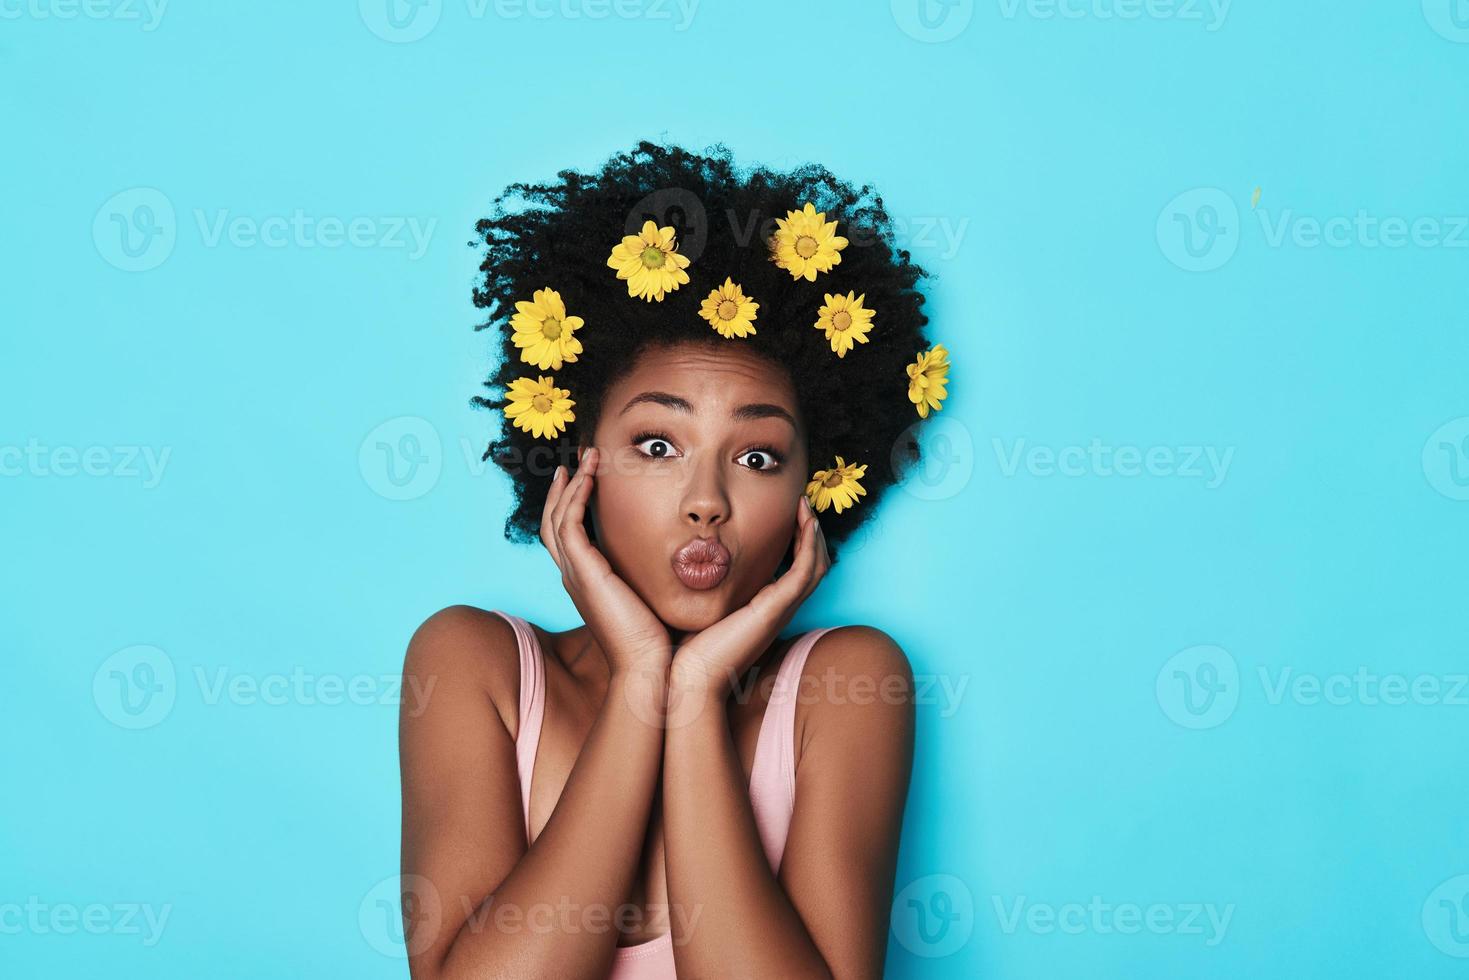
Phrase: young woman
x=691 y=405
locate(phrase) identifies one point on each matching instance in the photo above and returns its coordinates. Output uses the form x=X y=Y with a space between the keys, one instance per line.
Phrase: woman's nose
x=705 y=502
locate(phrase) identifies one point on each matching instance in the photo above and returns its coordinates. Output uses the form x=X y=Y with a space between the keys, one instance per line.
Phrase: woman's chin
x=692 y=610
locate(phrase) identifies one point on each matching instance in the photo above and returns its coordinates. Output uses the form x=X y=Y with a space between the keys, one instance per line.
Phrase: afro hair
x=559 y=234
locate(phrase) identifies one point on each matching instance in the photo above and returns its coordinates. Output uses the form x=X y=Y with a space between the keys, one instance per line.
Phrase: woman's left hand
x=706 y=665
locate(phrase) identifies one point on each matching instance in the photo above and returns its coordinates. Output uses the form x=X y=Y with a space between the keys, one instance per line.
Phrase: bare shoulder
x=860 y=651
x=471 y=652
x=854 y=674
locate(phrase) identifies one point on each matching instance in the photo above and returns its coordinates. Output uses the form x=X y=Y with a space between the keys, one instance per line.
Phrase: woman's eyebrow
x=745 y=413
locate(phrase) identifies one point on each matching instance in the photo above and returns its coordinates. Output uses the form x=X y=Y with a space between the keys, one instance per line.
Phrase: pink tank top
x=772 y=779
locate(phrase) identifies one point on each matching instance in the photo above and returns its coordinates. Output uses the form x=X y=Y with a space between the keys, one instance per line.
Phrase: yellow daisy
x=845 y=320
x=539 y=407
x=927 y=380
x=650 y=262
x=543 y=331
x=836 y=487
x=729 y=310
x=805 y=243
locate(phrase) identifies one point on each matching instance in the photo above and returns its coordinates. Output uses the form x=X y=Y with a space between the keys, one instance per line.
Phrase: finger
x=791 y=587
x=823 y=552
x=572 y=530
x=573 y=480
x=818 y=551
x=548 y=535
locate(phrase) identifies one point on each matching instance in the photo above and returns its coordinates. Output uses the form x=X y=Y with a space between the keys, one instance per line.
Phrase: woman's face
x=698 y=442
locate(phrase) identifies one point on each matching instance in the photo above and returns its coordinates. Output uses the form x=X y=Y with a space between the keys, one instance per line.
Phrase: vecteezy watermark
x=405 y=21
x=831 y=685
x=1210 y=13
x=400 y=21
x=136 y=230
x=39 y=918
x=119 y=462
x=1446 y=917
x=932 y=21
x=302 y=230
x=401 y=459
x=137 y=687
x=935 y=236
x=1097 y=459
x=1101 y=918
x=945 y=462
x=933 y=916
x=1201 y=686
x=301 y=687
x=147 y=13
x=1450 y=18
x=1446 y=459
x=403 y=914
x=1363 y=686
x=1200 y=230
x=1364 y=230
x=1198 y=687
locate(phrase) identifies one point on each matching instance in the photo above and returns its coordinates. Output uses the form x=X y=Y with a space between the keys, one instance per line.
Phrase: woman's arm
x=463 y=826
x=827 y=916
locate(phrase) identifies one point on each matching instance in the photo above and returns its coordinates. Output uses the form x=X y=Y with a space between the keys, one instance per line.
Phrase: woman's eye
x=759 y=459
x=656 y=446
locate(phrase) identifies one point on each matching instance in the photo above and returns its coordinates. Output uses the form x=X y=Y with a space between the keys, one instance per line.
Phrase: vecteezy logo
x=135 y=687
x=945 y=462
x=400 y=21
x=679 y=208
x=1450 y=18
x=933 y=916
x=1199 y=230
x=1446 y=459
x=1199 y=687
x=933 y=21
x=402 y=458
x=135 y=230
x=1446 y=917
x=400 y=915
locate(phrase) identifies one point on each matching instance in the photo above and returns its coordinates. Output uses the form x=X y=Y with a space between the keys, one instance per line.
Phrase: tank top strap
x=532 y=708
x=773 y=776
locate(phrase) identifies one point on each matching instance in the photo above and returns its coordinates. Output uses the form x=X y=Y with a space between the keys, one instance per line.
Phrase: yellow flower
x=729 y=310
x=927 y=378
x=845 y=320
x=539 y=407
x=543 y=331
x=650 y=262
x=805 y=243
x=836 y=487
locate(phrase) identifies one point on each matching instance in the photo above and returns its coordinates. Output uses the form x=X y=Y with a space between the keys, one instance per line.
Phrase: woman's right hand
x=632 y=637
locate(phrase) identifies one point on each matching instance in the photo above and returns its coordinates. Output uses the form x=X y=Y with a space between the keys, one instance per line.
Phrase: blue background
x=1082 y=188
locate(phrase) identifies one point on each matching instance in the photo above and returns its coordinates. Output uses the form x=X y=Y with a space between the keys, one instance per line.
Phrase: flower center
x=728 y=309
x=541 y=403
x=551 y=327
x=833 y=479
x=805 y=246
x=652 y=258
x=842 y=320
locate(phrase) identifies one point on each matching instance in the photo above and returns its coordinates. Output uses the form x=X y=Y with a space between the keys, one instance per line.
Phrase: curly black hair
x=560 y=234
